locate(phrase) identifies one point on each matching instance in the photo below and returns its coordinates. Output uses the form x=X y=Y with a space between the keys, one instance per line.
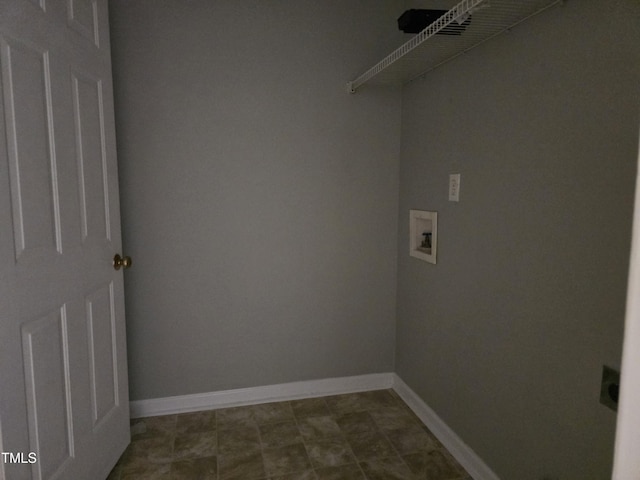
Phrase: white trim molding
x=263 y=394
x=471 y=462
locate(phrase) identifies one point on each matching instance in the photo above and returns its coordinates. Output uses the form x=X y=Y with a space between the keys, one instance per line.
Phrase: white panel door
x=63 y=380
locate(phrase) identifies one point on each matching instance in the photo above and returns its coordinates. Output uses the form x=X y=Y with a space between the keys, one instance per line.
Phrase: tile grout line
x=217 y=444
x=264 y=463
x=173 y=446
x=438 y=447
x=344 y=435
x=304 y=444
x=388 y=439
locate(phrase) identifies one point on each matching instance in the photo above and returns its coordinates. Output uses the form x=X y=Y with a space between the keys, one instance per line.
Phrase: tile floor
x=359 y=436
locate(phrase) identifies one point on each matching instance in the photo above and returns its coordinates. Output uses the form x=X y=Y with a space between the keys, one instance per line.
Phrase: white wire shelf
x=428 y=50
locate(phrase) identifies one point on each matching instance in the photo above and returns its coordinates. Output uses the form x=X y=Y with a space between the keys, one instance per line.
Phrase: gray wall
x=506 y=336
x=260 y=204
x=259 y=199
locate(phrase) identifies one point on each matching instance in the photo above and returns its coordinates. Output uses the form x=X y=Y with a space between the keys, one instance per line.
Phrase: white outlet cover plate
x=454 y=187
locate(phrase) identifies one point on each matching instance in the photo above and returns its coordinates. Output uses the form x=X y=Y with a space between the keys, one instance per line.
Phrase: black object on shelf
x=416 y=20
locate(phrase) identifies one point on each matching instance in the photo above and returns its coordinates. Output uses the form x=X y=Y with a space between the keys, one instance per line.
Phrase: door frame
x=626 y=462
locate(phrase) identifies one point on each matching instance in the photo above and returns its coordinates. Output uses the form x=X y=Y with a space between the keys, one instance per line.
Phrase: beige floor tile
x=286 y=459
x=393 y=418
x=241 y=467
x=272 y=412
x=196 y=422
x=434 y=465
x=239 y=440
x=150 y=427
x=412 y=439
x=279 y=434
x=150 y=471
x=370 y=445
x=378 y=399
x=343 y=472
x=310 y=407
x=157 y=450
x=195 y=469
x=355 y=423
x=390 y=468
x=319 y=427
x=307 y=475
x=233 y=417
x=195 y=445
x=329 y=452
x=349 y=403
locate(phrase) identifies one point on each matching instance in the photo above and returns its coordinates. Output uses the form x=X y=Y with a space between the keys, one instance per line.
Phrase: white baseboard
x=471 y=462
x=264 y=394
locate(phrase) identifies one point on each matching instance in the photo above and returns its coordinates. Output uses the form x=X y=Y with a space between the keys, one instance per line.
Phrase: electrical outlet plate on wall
x=454 y=187
x=423 y=235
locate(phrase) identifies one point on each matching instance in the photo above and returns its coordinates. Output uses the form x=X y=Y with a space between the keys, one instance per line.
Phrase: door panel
x=102 y=353
x=83 y=17
x=89 y=122
x=46 y=354
x=63 y=377
x=26 y=82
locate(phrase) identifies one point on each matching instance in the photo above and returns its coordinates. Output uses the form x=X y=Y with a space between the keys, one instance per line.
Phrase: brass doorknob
x=118 y=261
